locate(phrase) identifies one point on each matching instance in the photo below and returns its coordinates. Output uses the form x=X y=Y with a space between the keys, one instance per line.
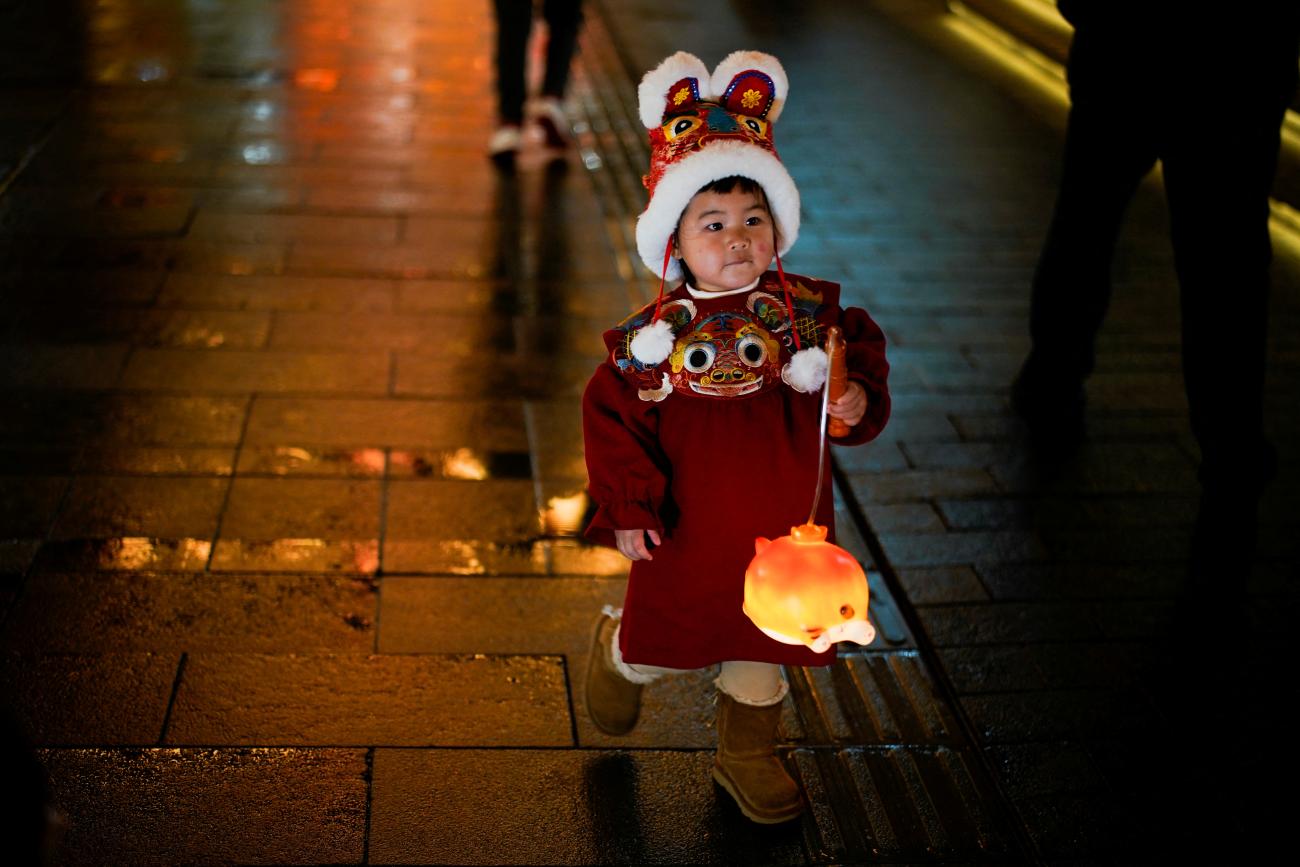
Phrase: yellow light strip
x=1048 y=76
x=1035 y=68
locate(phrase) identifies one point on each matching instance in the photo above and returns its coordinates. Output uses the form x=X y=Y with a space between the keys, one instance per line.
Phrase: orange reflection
x=322 y=79
x=563 y=515
x=464 y=463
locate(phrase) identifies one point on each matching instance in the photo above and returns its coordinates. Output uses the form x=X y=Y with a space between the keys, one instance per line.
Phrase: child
x=702 y=427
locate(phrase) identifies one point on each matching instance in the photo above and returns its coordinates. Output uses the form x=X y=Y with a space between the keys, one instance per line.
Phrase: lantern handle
x=834 y=347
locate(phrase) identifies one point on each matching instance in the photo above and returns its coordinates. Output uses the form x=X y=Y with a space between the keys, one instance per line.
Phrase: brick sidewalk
x=290 y=465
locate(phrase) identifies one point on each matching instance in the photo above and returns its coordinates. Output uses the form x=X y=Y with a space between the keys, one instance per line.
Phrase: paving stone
x=1094 y=665
x=925 y=549
x=124 y=553
x=893 y=487
x=281 y=292
x=85 y=366
x=156 y=461
x=300 y=525
x=183 y=329
x=955 y=625
x=168 y=420
x=174 y=508
x=262 y=228
x=37 y=460
x=880 y=456
x=298 y=700
x=1056 y=580
x=992 y=669
x=163 y=806
x=528 y=377
x=263 y=371
x=555 y=428
x=90 y=613
x=463 y=528
x=541 y=615
x=1033 y=770
x=475 y=337
x=398 y=423
x=28 y=504
x=108 y=698
x=905 y=518
x=1072 y=714
x=942 y=585
x=313 y=461
x=492 y=615
x=584 y=807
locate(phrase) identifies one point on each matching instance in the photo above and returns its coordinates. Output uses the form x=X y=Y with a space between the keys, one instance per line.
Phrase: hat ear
x=751 y=83
x=677 y=83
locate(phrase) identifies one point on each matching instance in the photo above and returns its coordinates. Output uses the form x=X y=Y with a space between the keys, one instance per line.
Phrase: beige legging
x=753 y=683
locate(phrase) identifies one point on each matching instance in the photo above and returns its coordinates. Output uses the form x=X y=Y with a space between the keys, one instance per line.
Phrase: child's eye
x=713 y=227
x=754 y=221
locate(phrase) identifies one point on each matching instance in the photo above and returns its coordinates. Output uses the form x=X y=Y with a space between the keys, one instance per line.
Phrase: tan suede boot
x=613 y=701
x=746 y=764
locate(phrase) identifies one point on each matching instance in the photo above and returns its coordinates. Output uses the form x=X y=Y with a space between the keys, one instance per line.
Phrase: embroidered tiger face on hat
x=704 y=127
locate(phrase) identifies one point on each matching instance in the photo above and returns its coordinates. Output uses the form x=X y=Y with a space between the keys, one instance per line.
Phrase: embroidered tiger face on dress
x=725 y=355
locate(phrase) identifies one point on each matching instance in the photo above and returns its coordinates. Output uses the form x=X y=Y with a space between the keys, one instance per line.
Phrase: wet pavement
x=291 y=468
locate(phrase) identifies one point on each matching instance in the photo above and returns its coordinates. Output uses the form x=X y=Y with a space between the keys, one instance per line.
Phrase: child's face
x=726 y=239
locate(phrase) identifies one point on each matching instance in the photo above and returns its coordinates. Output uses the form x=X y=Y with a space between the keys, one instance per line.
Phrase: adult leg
x=1109 y=147
x=514 y=21
x=1218 y=173
x=563 y=18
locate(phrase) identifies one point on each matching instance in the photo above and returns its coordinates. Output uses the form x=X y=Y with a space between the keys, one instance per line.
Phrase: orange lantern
x=801 y=589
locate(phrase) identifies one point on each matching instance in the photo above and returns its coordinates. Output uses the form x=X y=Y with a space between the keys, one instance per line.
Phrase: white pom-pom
x=652 y=344
x=806 y=370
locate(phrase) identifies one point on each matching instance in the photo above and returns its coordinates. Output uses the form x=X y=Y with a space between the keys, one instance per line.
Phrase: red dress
x=712 y=449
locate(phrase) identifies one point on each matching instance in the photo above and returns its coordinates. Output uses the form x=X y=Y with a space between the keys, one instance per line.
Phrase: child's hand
x=851 y=406
x=631 y=543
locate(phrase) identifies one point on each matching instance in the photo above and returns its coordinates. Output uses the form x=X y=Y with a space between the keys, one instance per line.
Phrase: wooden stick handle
x=839 y=376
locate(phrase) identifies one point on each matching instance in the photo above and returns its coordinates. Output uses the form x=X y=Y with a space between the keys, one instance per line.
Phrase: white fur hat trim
x=740 y=61
x=652 y=93
x=683 y=180
x=806 y=370
x=653 y=343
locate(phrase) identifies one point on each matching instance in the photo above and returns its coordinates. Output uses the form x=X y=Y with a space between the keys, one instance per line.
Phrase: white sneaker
x=505 y=142
x=550 y=116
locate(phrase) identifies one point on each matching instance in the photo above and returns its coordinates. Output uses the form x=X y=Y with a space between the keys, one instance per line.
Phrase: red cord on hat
x=663 y=275
x=789 y=308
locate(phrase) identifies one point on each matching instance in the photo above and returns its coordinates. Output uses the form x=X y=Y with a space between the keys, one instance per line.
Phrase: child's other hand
x=631 y=543
x=851 y=406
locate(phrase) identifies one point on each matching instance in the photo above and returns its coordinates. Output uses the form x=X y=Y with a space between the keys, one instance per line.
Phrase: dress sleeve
x=865 y=354
x=626 y=468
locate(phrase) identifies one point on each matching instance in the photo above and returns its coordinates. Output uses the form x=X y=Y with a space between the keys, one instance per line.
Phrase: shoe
x=550 y=116
x=1053 y=411
x=746 y=764
x=613 y=701
x=504 y=144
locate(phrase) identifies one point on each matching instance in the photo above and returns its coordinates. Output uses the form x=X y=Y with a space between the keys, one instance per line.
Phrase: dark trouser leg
x=562 y=20
x=1107 y=153
x=1217 y=182
x=1218 y=173
x=514 y=21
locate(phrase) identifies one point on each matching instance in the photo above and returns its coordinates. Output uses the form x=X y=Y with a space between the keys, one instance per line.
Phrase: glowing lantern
x=801 y=589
